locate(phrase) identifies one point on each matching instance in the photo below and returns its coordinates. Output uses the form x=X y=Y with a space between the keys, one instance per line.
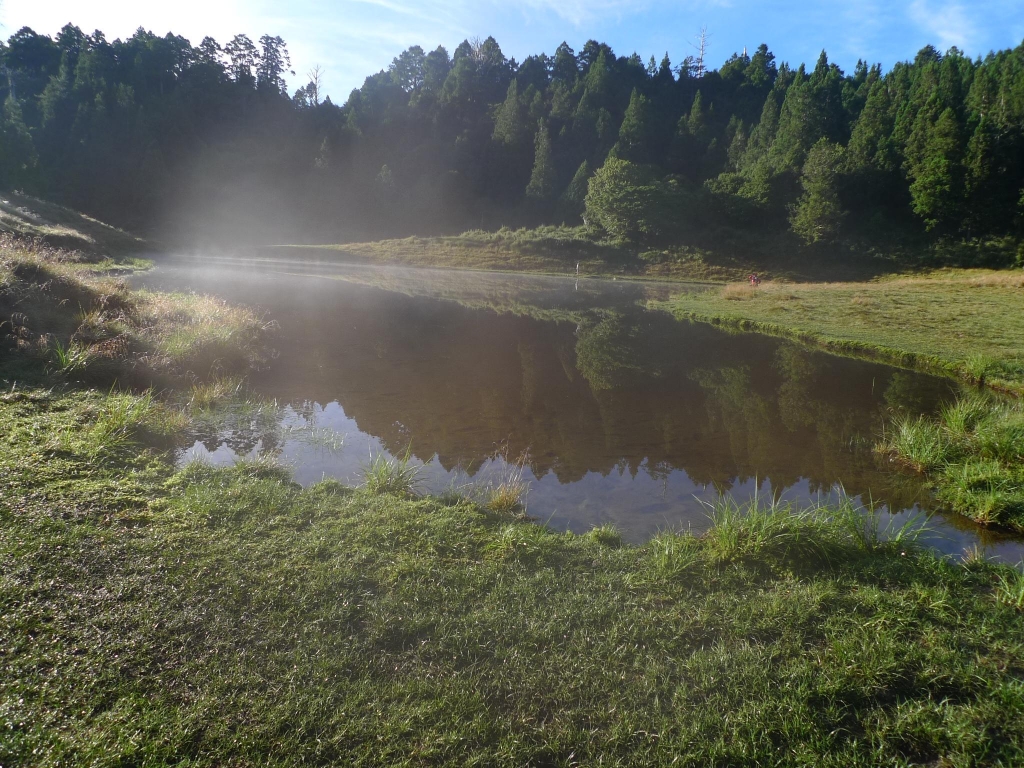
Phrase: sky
x=351 y=39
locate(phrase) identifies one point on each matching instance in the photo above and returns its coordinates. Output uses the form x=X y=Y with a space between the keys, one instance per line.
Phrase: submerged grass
x=228 y=616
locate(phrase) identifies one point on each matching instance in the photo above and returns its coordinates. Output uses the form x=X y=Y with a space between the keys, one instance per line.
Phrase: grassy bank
x=156 y=616
x=230 y=617
x=54 y=226
x=66 y=314
x=558 y=250
x=968 y=324
x=974 y=453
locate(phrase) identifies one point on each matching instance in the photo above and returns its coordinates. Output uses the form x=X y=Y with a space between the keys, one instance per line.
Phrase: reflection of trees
x=610 y=351
x=627 y=388
x=243 y=427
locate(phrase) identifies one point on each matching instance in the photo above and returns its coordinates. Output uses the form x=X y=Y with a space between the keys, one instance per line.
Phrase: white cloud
x=579 y=12
x=948 y=22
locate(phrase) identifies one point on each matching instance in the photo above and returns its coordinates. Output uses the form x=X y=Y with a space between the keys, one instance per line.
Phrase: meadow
x=157 y=615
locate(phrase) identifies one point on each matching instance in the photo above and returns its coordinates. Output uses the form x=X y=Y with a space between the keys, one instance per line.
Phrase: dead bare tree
x=702 y=48
x=315 y=76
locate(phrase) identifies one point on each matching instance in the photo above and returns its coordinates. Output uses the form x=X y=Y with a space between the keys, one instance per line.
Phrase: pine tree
x=17 y=152
x=818 y=214
x=871 y=141
x=542 y=179
x=511 y=126
x=697 y=120
x=937 y=188
x=981 y=183
x=761 y=70
x=636 y=133
x=763 y=134
x=575 y=194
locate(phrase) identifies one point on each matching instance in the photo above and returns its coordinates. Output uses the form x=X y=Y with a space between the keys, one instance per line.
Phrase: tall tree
x=818 y=214
x=636 y=134
x=272 y=64
x=937 y=189
x=542 y=179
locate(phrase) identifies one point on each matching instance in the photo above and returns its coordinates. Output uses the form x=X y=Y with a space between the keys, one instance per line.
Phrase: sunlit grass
x=968 y=323
x=228 y=616
x=94 y=328
x=974 y=453
x=393 y=475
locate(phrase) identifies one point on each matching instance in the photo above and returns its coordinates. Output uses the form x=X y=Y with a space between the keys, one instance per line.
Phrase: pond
x=617 y=412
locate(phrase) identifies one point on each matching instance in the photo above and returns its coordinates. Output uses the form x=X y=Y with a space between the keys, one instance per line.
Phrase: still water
x=622 y=414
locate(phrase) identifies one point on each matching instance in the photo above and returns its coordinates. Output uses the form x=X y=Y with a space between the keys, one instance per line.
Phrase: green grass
x=974 y=453
x=559 y=250
x=717 y=255
x=968 y=324
x=393 y=475
x=228 y=616
x=61 y=314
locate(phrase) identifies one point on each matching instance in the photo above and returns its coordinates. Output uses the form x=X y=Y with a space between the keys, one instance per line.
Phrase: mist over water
x=624 y=415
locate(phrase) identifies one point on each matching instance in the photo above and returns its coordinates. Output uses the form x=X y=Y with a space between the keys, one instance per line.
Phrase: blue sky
x=354 y=38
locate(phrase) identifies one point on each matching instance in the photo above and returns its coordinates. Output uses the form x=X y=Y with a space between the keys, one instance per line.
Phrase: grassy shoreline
x=228 y=616
x=964 y=324
x=158 y=616
x=558 y=251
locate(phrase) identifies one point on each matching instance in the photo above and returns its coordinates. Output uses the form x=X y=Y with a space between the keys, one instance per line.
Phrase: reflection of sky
x=638 y=503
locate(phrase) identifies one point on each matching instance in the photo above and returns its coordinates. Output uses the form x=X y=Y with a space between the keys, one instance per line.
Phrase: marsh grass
x=324 y=438
x=1010 y=587
x=392 y=475
x=71 y=357
x=210 y=394
x=739 y=292
x=863 y=525
x=505 y=493
x=761 y=527
x=973 y=452
x=606 y=535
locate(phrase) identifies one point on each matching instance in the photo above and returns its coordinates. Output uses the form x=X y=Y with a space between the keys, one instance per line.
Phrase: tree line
x=153 y=131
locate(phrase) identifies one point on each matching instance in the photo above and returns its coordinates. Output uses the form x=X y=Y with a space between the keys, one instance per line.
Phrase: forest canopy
x=162 y=136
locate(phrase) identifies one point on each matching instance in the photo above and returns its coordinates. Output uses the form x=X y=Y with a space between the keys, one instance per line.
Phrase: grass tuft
x=393 y=475
x=606 y=535
x=973 y=452
x=1010 y=587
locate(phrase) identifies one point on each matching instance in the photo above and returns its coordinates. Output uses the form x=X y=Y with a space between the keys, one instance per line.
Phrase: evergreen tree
x=636 y=134
x=761 y=71
x=818 y=214
x=17 y=153
x=542 y=179
x=937 y=188
x=985 y=209
x=575 y=195
x=511 y=126
x=763 y=134
x=871 y=142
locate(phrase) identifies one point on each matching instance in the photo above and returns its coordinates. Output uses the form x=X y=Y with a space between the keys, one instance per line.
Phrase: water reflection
x=627 y=415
